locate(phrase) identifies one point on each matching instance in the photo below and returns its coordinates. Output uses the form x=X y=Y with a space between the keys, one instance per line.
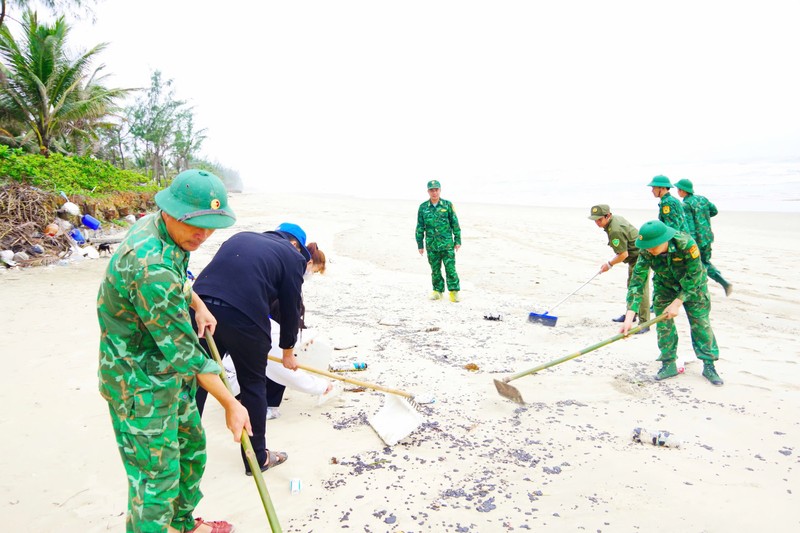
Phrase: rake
x=511 y=392
x=395 y=420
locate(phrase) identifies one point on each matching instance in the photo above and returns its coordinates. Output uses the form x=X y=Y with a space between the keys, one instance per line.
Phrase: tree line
x=54 y=101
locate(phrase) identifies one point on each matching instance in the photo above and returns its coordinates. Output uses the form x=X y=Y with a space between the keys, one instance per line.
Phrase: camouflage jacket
x=438 y=225
x=670 y=212
x=622 y=237
x=678 y=271
x=699 y=211
x=148 y=348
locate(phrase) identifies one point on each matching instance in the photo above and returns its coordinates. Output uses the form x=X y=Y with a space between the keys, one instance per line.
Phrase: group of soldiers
x=677 y=248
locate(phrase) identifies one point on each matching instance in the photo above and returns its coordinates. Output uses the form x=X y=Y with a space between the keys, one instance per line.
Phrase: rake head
x=509 y=391
x=544 y=319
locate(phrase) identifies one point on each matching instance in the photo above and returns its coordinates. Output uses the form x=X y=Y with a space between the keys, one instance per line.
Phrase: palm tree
x=44 y=90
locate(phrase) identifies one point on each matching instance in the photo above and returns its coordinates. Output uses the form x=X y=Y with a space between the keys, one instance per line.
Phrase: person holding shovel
x=679 y=280
x=699 y=211
x=250 y=271
x=622 y=240
x=437 y=224
x=151 y=361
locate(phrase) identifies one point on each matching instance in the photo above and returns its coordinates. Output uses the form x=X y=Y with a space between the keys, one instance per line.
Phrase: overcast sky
x=349 y=95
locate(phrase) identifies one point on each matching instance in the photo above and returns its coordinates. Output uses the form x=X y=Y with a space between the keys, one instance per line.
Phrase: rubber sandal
x=217 y=526
x=273 y=459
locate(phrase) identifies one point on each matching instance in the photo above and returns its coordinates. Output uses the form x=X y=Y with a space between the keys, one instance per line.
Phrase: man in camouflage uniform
x=699 y=211
x=151 y=361
x=437 y=223
x=622 y=239
x=670 y=210
x=679 y=280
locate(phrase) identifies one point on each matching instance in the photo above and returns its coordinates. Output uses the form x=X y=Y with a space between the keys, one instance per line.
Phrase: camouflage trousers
x=448 y=257
x=705 y=258
x=164 y=459
x=703 y=341
x=644 y=305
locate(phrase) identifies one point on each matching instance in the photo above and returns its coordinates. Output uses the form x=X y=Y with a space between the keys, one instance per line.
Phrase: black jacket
x=249 y=271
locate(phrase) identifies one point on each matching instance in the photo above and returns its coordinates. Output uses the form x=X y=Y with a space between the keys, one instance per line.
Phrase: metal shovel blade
x=395 y=420
x=509 y=391
x=544 y=319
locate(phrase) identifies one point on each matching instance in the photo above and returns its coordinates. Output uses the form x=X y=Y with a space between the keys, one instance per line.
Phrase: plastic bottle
x=661 y=437
x=347 y=367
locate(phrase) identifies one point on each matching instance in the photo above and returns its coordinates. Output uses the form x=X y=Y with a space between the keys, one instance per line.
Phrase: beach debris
x=130 y=219
x=389 y=321
x=472 y=367
x=662 y=437
x=7 y=258
x=70 y=209
x=493 y=316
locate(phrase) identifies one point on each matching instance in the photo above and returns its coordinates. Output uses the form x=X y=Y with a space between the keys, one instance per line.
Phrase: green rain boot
x=668 y=370
x=710 y=373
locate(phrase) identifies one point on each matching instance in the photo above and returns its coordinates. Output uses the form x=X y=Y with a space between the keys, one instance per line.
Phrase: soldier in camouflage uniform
x=622 y=239
x=670 y=210
x=679 y=280
x=151 y=361
x=437 y=224
x=699 y=211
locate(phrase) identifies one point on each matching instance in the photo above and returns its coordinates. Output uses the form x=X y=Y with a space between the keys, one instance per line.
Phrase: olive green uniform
x=699 y=211
x=678 y=273
x=149 y=359
x=438 y=226
x=670 y=212
x=622 y=237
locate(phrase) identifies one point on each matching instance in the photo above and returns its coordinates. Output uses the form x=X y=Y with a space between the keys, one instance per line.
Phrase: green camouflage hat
x=198 y=198
x=654 y=233
x=685 y=185
x=599 y=211
x=433 y=184
x=660 y=181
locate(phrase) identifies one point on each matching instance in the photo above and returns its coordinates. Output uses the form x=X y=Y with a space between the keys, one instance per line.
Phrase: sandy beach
x=565 y=461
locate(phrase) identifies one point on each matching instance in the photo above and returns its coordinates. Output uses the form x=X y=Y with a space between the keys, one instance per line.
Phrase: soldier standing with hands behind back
x=437 y=224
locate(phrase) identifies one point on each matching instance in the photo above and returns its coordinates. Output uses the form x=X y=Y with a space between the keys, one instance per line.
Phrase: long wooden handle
x=588 y=349
x=252 y=460
x=348 y=380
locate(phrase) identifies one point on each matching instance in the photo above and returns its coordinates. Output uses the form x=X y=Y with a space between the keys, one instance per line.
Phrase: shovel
x=395 y=420
x=252 y=460
x=550 y=320
x=511 y=392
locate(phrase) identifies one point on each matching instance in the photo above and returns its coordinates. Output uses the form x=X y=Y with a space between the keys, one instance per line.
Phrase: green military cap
x=198 y=198
x=653 y=233
x=599 y=211
x=433 y=184
x=685 y=185
x=660 y=181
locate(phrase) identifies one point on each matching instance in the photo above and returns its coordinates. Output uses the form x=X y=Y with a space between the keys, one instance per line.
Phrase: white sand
x=563 y=462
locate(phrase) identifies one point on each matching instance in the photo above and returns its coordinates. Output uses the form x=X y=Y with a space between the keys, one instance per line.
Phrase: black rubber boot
x=710 y=373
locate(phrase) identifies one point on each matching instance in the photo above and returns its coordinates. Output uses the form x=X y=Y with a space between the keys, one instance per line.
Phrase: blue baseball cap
x=293 y=230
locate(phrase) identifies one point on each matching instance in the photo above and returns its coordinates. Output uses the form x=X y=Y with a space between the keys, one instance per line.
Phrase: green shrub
x=72 y=175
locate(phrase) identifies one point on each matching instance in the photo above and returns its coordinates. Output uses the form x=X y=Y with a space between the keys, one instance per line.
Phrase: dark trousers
x=248 y=345
x=274 y=392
